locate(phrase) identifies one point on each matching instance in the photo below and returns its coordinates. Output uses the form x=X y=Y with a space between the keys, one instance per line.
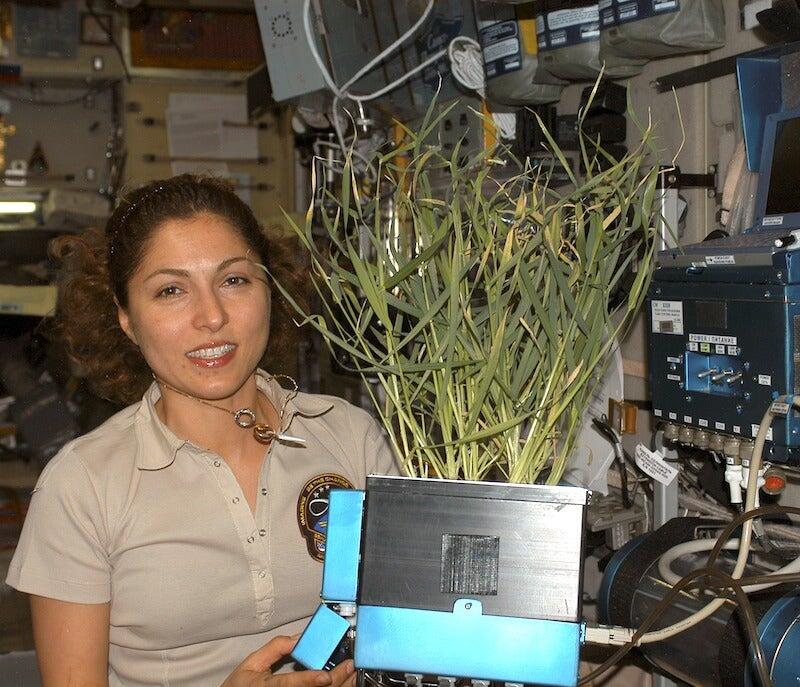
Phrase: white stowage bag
x=647 y=29
x=514 y=74
x=569 y=45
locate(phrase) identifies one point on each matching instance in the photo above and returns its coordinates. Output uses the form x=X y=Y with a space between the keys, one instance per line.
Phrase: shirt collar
x=157 y=444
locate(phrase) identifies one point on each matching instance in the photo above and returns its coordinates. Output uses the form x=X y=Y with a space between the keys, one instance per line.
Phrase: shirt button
x=262 y=574
x=263 y=492
x=236 y=499
x=262 y=532
x=217 y=463
x=250 y=540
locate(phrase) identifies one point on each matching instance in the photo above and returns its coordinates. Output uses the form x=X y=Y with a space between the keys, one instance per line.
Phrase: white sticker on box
x=562 y=18
x=713 y=339
x=505 y=48
x=720 y=260
x=765 y=380
x=780 y=408
x=754 y=430
x=673 y=416
x=667 y=317
x=652 y=463
x=702 y=422
x=719 y=425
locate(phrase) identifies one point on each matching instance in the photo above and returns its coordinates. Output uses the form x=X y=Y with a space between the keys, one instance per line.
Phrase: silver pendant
x=245 y=418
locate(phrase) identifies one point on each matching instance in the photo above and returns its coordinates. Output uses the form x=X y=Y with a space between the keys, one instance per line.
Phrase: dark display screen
x=783 y=196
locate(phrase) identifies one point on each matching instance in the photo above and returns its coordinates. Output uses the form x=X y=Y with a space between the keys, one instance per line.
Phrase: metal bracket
x=700 y=74
x=674 y=178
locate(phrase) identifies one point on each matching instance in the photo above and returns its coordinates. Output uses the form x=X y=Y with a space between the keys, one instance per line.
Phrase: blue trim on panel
x=779 y=631
x=466 y=643
x=604 y=594
x=320 y=638
x=342 y=545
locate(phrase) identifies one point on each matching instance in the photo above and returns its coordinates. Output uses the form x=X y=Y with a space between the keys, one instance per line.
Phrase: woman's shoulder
x=107 y=448
x=336 y=411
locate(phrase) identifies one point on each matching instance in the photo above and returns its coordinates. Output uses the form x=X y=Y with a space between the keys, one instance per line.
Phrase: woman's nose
x=210 y=312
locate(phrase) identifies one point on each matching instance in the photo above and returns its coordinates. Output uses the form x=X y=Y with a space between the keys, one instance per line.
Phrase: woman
x=168 y=546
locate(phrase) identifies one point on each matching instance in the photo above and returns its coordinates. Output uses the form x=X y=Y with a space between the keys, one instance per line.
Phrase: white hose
x=744 y=541
x=699 y=545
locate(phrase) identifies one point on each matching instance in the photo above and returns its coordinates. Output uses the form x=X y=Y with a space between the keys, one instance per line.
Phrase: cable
x=342 y=92
x=641 y=636
x=110 y=33
x=745 y=538
x=664 y=605
x=699 y=545
x=466 y=66
x=602 y=426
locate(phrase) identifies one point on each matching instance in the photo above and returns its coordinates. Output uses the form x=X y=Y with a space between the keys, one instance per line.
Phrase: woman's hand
x=256 y=670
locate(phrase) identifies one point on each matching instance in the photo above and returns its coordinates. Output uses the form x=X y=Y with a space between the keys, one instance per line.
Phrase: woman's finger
x=263 y=659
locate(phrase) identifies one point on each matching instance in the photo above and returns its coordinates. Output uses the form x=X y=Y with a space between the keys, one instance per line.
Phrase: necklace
x=246 y=417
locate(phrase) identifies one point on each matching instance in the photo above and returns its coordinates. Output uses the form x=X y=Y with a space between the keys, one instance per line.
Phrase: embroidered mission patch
x=312 y=510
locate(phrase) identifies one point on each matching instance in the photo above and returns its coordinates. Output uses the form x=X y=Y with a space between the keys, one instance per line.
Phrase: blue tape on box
x=321 y=637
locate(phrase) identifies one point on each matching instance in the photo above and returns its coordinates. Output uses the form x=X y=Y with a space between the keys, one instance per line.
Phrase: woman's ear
x=125 y=322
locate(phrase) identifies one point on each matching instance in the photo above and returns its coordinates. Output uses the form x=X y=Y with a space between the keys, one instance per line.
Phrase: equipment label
x=657 y=412
x=501 y=51
x=562 y=28
x=673 y=416
x=780 y=408
x=719 y=425
x=720 y=260
x=754 y=431
x=737 y=429
x=765 y=380
x=652 y=463
x=713 y=339
x=674 y=378
x=702 y=422
x=632 y=10
x=772 y=221
x=667 y=317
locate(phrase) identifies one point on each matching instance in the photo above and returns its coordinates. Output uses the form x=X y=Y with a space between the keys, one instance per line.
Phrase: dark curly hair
x=97 y=266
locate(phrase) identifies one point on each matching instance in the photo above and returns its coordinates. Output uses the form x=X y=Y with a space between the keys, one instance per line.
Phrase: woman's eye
x=236 y=281
x=168 y=291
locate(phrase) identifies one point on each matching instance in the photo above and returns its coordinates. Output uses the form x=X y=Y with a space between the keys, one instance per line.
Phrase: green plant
x=482 y=308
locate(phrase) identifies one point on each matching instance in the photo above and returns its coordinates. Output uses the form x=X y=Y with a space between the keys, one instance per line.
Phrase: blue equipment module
x=724 y=336
x=724 y=315
x=456 y=579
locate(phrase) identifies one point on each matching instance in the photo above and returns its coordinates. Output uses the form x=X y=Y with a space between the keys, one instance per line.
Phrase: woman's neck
x=214 y=428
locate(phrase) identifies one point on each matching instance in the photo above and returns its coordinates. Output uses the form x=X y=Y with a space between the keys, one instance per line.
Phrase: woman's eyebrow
x=184 y=273
x=230 y=261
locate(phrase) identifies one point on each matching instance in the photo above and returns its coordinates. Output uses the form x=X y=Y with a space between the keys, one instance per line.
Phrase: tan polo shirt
x=131 y=514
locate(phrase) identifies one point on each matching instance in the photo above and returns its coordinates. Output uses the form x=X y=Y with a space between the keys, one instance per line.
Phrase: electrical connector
x=608 y=634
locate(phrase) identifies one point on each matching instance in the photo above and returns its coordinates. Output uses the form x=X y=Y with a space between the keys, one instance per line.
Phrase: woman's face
x=198 y=307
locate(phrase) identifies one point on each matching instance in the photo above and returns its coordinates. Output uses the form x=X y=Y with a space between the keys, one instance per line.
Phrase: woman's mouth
x=212 y=356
